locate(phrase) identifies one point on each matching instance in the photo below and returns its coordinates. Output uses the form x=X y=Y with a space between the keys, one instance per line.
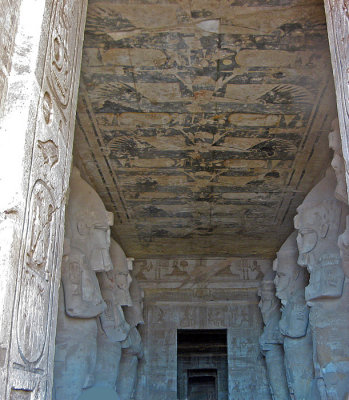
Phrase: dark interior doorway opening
x=202 y=383
x=202 y=365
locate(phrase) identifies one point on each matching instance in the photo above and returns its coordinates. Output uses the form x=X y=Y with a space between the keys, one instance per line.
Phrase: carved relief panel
x=51 y=134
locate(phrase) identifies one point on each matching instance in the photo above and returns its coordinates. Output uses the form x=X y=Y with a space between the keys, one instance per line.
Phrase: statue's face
x=339 y=169
x=307 y=223
x=283 y=278
x=266 y=302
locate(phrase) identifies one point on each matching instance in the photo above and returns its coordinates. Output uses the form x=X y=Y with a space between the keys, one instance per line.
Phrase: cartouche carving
x=34 y=302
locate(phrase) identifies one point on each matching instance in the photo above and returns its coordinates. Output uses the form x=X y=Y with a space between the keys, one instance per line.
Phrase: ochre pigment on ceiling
x=203 y=124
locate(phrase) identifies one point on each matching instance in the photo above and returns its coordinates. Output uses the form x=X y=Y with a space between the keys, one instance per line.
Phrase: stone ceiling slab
x=203 y=124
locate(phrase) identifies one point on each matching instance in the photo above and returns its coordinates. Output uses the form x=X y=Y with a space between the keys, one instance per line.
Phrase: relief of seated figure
x=290 y=282
x=320 y=220
x=271 y=340
x=80 y=302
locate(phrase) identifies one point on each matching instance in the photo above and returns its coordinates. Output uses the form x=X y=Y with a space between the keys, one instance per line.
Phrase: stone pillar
x=37 y=124
x=290 y=282
x=87 y=229
x=132 y=347
x=271 y=340
x=319 y=222
x=337 y=16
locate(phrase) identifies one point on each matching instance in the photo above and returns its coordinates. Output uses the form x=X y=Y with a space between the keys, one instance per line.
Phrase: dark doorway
x=202 y=384
x=202 y=366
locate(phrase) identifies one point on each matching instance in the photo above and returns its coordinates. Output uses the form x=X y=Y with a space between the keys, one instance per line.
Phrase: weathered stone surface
x=271 y=340
x=338 y=30
x=338 y=163
x=132 y=347
x=39 y=70
x=290 y=282
x=319 y=222
x=87 y=229
x=186 y=113
x=8 y=30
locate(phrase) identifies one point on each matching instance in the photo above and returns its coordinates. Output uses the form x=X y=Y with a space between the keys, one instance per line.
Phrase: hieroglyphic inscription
x=62 y=56
x=198 y=273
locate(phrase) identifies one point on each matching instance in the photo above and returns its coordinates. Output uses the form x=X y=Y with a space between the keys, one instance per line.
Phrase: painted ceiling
x=203 y=123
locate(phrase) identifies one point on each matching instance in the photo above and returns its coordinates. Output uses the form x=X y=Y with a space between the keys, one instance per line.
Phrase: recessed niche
x=202 y=365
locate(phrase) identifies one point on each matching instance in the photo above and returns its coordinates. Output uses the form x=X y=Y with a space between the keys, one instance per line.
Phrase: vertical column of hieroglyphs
x=337 y=15
x=46 y=79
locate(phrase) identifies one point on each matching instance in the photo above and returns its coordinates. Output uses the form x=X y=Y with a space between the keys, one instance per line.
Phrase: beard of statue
x=288 y=275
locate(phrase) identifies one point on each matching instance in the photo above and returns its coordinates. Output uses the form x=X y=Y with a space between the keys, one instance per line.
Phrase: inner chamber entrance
x=202 y=365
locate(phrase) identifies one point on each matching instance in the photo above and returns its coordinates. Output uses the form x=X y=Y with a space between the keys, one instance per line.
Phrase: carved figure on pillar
x=113 y=329
x=290 y=281
x=271 y=340
x=132 y=347
x=80 y=302
x=319 y=222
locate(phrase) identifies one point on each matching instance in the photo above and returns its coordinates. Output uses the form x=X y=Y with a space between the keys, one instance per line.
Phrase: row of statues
x=100 y=306
x=305 y=299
